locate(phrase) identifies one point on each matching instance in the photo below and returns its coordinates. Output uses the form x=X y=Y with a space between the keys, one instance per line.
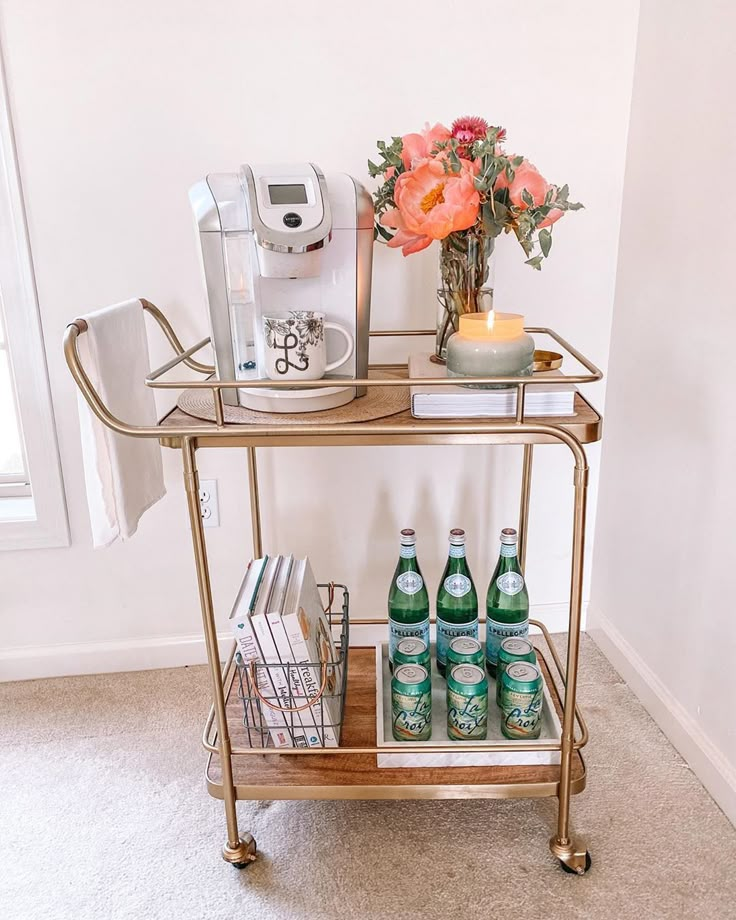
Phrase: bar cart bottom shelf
x=356 y=776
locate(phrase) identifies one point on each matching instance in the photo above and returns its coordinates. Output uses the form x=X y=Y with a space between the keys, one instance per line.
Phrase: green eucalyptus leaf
x=545 y=242
x=535 y=263
x=502 y=212
x=527 y=198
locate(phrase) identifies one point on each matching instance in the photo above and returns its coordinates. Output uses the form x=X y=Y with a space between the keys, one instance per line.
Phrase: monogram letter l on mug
x=295 y=347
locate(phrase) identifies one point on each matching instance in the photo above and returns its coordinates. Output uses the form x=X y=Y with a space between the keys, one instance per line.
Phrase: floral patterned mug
x=295 y=347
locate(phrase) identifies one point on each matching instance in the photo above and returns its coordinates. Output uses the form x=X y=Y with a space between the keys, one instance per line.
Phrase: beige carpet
x=103 y=814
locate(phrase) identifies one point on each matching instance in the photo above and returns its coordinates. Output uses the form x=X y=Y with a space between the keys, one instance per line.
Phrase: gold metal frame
x=190 y=436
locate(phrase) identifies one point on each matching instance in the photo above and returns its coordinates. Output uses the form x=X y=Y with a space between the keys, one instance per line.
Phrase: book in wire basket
x=300 y=703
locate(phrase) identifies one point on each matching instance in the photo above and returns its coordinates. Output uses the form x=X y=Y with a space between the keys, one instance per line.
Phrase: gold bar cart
x=238 y=771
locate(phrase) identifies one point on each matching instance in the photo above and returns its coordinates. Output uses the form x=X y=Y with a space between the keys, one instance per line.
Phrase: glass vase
x=467 y=269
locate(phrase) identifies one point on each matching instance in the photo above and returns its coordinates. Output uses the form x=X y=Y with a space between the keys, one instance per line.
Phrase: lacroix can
x=411 y=703
x=467 y=703
x=521 y=701
x=412 y=650
x=464 y=650
x=515 y=648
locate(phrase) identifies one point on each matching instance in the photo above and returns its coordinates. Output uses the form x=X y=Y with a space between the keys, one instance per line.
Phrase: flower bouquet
x=459 y=186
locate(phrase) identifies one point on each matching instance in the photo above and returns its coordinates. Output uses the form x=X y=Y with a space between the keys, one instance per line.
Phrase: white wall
x=118 y=108
x=664 y=578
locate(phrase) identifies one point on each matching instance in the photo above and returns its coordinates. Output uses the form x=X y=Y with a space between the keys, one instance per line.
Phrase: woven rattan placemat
x=378 y=402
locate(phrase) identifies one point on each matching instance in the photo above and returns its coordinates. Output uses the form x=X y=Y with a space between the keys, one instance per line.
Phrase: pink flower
x=431 y=204
x=527 y=177
x=420 y=146
x=468 y=129
x=409 y=242
x=554 y=214
x=390 y=172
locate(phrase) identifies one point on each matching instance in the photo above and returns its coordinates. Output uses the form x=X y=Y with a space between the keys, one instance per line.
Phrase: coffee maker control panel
x=289 y=210
x=289 y=199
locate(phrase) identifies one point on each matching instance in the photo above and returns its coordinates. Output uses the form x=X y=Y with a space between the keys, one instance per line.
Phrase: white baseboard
x=708 y=763
x=38 y=661
x=142 y=654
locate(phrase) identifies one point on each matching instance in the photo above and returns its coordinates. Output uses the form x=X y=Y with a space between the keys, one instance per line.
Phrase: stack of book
x=278 y=620
x=455 y=401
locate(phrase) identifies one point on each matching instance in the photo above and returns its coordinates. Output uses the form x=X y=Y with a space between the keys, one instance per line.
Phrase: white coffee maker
x=281 y=238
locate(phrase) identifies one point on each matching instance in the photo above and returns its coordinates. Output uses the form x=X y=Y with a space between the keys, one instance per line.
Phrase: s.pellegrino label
x=446 y=632
x=496 y=632
x=409 y=582
x=510 y=583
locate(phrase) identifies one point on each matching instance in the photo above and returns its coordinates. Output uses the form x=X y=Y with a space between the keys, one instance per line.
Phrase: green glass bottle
x=408 y=601
x=507 y=600
x=457 y=600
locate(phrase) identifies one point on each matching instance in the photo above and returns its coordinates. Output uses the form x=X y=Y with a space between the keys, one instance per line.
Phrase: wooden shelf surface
x=586 y=425
x=357 y=776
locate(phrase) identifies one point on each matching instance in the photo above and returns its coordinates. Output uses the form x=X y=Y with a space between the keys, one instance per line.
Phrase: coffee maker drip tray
x=317 y=399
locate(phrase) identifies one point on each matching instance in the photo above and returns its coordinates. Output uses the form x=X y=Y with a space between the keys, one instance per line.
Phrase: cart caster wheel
x=580 y=869
x=241 y=856
x=571 y=856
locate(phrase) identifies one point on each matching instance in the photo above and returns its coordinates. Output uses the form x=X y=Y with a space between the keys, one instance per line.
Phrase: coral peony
x=528 y=177
x=409 y=242
x=431 y=204
x=417 y=147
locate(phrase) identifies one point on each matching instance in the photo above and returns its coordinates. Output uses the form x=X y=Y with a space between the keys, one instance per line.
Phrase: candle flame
x=491 y=320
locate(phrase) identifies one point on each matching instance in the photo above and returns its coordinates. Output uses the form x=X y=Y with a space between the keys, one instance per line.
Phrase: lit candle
x=490 y=345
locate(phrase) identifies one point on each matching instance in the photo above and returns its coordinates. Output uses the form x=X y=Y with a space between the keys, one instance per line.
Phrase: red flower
x=468 y=129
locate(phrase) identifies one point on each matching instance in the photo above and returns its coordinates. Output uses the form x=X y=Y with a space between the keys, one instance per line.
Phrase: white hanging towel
x=124 y=476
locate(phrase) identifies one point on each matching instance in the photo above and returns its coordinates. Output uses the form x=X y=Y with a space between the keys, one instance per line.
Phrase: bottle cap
x=508 y=535
x=408 y=537
x=457 y=536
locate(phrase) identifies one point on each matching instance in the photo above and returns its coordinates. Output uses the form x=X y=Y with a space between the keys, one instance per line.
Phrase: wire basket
x=298 y=705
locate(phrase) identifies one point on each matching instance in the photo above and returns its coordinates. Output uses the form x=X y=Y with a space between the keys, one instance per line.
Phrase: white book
x=277 y=680
x=455 y=401
x=310 y=638
x=249 y=650
x=278 y=633
x=298 y=692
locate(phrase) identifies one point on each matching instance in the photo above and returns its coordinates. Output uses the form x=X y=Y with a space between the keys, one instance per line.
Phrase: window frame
x=13 y=486
x=39 y=519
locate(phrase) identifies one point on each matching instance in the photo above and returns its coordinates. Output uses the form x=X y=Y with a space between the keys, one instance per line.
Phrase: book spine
x=309 y=677
x=279 y=680
x=296 y=690
x=249 y=651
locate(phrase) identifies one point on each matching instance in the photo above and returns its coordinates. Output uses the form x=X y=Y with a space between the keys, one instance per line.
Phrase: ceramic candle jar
x=490 y=345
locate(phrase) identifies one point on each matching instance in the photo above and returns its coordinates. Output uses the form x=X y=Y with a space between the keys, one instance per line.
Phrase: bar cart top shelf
x=586 y=425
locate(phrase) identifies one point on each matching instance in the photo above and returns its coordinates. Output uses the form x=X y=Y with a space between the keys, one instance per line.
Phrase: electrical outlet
x=208 y=502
